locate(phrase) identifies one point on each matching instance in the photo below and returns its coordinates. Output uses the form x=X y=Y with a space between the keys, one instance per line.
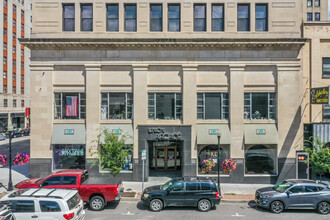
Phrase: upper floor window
x=217 y=17
x=86 y=17
x=112 y=17
x=14 y=9
x=68 y=17
x=4 y=91
x=326 y=67
x=174 y=17
x=4 y=46
x=14 y=49
x=14 y=22
x=22 y=14
x=116 y=106
x=4 y=60
x=70 y=106
x=5 y=3
x=5 y=32
x=259 y=106
x=5 y=101
x=22 y=65
x=5 y=74
x=22 y=52
x=326 y=112
x=309 y=16
x=4 y=17
x=156 y=17
x=317 y=17
x=243 y=17
x=14 y=76
x=22 y=90
x=130 y=17
x=212 y=106
x=261 y=17
x=14 y=63
x=200 y=17
x=22 y=78
x=14 y=103
x=165 y=106
x=22 y=27
x=22 y=103
x=309 y=3
x=317 y=3
x=14 y=35
x=14 y=90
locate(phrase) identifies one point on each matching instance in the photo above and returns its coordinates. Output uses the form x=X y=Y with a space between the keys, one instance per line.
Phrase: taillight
x=217 y=195
x=69 y=216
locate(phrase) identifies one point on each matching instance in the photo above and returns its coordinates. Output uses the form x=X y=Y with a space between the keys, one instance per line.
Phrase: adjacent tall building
x=171 y=75
x=15 y=23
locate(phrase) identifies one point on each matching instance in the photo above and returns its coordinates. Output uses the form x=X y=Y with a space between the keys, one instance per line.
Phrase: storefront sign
x=213 y=131
x=261 y=131
x=320 y=95
x=70 y=152
x=116 y=131
x=161 y=135
x=144 y=155
x=68 y=131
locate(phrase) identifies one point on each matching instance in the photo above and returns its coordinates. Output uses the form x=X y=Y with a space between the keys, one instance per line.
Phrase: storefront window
x=116 y=106
x=260 y=159
x=128 y=164
x=259 y=106
x=211 y=151
x=166 y=106
x=70 y=106
x=69 y=156
x=212 y=106
x=326 y=112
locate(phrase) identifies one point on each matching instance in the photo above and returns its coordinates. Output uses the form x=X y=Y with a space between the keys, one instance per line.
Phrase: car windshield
x=282 y=186
x=166 y=185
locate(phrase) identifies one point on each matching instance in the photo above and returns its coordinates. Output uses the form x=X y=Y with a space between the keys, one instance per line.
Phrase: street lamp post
x=10 y=182
x=219 y=136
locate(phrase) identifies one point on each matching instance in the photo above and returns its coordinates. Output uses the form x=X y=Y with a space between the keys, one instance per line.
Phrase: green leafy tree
x=319 y=156
x=111 y=153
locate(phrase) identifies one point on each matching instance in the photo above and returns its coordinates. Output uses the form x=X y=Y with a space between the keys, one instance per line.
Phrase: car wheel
x=204 y=205
x=277 y=207
x=156 y=205
x=323 y=208
x=96 y=203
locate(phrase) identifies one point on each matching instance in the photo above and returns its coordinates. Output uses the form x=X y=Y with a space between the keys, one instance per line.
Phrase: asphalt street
x=134 y=209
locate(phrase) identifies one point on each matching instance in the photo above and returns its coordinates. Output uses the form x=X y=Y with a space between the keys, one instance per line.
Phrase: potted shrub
x=207 y=165
x=228 y=165
x=3 y=160
x=21 y=159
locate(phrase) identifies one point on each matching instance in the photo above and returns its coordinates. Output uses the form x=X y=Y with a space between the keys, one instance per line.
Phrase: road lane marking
x=128 y=213
x=237 y=215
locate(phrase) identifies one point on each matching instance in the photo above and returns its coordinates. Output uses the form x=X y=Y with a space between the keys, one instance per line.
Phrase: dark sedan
x=295 y=194
x=201 y=193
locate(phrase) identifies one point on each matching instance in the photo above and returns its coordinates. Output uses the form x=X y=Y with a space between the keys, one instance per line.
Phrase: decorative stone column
x=236 y=118
x=42 y=119
x=140 y=116
x=189 y=113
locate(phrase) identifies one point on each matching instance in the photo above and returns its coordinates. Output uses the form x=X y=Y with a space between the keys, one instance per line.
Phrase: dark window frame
x=82 y=19
x=202 y=109
x=248 y=18
x=309 y=16
x=106 y=102
x=205 y=22
x=156 y=19
x=126 y=19
x=81 y=115
x=64 y=18
x=265 y=19
x=172 y=19
x=325 y=75
x=113 y=19
x=319 y=16
x=223 y=17
x=318 y=3
x=177 y=107
x=309 y=3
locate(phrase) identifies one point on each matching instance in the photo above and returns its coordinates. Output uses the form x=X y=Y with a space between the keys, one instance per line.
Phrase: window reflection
x=260 y=159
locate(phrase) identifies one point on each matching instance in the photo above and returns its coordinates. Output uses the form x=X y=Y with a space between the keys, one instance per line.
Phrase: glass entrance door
x=166 y=158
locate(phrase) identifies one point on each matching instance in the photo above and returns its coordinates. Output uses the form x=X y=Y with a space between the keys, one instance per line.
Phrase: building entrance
x=166 y=158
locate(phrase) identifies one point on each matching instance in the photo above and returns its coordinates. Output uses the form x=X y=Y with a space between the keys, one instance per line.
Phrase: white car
x=46 y=204
x=5 y=213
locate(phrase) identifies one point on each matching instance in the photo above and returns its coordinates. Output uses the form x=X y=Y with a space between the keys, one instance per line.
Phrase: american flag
x=71 y=106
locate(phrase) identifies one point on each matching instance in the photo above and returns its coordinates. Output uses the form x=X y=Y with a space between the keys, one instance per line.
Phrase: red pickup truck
x=90 y=190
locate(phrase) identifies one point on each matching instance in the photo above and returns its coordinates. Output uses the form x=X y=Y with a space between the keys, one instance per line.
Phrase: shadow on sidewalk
x=22 y=169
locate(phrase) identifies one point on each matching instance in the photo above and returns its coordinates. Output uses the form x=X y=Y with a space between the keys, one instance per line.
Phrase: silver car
x=2 y=137
x=295 y=194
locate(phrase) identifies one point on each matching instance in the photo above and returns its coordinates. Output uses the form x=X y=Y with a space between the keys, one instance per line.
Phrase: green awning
x=260 y=134
x=124 y=129
x=204 y=136
x=69 y=134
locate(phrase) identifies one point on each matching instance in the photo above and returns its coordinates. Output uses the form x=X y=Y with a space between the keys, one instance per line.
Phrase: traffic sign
x=144 y=155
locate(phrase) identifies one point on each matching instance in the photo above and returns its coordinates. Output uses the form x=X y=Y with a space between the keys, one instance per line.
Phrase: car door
x=311 y=196
x=295 y=196
x=50 y=210
x=192 y=193
x=52 y=182
x=25 y=210
x=175 y=194
x=69 y=182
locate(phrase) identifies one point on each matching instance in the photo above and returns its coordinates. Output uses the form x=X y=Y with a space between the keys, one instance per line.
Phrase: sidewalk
x=231 y=192
x=19 y=173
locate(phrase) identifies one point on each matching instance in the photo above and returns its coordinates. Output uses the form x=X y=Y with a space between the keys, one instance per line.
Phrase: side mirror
x=288 y=192
x=43 y=184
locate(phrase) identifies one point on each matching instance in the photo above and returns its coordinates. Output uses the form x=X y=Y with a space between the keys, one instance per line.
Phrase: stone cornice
x=34 y=43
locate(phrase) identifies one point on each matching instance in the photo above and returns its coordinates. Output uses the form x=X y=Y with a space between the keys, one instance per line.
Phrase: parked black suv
x=184 y=191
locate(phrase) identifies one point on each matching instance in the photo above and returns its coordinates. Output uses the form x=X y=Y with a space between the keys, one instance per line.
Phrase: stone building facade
x=168 y=74
x=15 y=23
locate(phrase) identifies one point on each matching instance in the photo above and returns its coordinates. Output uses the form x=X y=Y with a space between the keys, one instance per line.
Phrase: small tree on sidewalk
x=111 y=153
x=319 y=156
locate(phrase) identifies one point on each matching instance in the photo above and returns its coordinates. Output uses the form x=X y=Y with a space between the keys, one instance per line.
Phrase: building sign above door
x=161 y=135
x=320 y=95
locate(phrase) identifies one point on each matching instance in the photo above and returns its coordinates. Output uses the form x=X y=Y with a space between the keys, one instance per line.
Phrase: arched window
x=260 y=159
x=211 y=151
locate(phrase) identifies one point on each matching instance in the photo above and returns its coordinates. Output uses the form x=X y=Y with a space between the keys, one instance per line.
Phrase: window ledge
x=69 y=121
x=259 y=121
x=159 y=121
x=259 y=175
x=219 y=121
x=119 y=121
x=123 y=171
x=212 y=175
